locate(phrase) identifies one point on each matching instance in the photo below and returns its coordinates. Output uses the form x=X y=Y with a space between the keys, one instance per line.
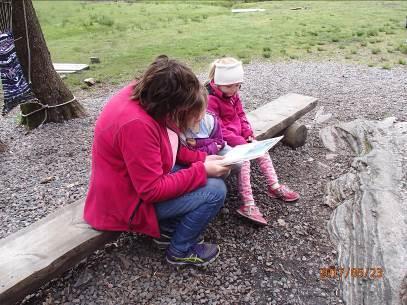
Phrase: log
x=295 y=135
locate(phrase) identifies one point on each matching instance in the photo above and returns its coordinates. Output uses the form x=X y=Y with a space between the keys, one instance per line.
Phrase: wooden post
x=295 y=135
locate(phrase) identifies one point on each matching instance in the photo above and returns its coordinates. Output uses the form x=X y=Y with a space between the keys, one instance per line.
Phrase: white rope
x=44 y=107
x=28 y=45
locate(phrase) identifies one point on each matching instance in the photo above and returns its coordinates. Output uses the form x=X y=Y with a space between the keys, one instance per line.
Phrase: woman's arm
x=139 y=143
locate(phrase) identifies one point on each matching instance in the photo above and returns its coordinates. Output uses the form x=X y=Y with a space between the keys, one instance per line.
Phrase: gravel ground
x=278 y=264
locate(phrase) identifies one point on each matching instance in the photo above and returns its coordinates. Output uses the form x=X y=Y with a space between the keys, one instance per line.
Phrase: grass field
x=127 y=36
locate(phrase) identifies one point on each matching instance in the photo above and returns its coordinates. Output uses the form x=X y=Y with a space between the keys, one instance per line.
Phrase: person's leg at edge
x=194 y=210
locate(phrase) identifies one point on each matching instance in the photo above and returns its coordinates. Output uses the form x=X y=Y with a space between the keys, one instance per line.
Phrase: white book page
x=249 y=151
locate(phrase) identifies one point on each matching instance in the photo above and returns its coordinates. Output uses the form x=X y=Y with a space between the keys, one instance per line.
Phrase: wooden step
x=69 y=68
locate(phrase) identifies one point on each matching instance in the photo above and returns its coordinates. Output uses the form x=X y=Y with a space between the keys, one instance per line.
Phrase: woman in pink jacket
x=225 y=78
x=142 y=180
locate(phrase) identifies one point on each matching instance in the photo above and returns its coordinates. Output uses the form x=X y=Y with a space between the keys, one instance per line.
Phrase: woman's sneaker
x=165 y=239
x=199 y=255
x=284 y=193
x=253 y=213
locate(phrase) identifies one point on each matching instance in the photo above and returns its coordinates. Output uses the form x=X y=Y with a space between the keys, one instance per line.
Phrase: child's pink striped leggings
x=266 y=167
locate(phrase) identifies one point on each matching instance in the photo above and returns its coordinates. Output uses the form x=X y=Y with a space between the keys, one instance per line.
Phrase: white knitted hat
x=227 y=74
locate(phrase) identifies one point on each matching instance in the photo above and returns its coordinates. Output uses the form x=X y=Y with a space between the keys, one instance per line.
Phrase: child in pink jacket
x=226 y=76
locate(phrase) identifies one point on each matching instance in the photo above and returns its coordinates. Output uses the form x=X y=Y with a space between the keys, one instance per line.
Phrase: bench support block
x=295 y=135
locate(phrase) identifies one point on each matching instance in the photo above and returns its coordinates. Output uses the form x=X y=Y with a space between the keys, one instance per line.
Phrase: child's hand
x=250 y=139
x=191 y=141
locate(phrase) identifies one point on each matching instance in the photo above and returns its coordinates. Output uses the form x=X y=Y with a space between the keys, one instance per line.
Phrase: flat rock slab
x=274 y=117
x=247 y=10
x=70 y=68
x=369 y=223
x=44 y=250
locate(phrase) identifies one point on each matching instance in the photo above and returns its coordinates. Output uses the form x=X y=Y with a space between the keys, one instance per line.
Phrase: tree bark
x=36 y=61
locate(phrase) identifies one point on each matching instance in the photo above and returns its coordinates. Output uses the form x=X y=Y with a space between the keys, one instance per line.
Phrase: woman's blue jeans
x=187 y=216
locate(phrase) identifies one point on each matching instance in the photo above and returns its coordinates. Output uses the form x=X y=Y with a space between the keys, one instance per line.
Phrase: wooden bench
x=279 y=117
x=42 y=251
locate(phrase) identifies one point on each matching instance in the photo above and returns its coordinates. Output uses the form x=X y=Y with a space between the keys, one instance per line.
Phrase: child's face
x=230 y=90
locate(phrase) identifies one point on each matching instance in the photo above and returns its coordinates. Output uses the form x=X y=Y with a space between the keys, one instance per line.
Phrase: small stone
x=89 y=81
x=330 y=156
x=94 y=60
x=281 y=222
x=47 y=180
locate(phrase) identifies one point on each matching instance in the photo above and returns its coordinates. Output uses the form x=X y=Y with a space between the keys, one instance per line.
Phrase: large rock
x=369 y=224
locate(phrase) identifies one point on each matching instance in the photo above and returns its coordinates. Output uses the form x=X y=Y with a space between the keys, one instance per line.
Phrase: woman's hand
x=214 y=157
x=212 y=167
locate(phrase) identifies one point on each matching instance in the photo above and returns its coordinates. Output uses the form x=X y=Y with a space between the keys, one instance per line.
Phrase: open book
x=248 y=151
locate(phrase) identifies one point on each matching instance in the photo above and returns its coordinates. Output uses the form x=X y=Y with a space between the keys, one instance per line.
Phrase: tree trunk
x=36 y=61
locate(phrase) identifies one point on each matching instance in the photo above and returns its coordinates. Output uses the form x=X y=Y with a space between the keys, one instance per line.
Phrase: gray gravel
x=279 y=264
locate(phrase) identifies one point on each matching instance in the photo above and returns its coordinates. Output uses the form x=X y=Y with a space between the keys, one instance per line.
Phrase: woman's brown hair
x=169 y=89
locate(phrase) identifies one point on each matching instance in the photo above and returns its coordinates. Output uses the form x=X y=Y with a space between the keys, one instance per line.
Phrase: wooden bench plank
x=40 y=252
x=69 y=68
x=274 y=117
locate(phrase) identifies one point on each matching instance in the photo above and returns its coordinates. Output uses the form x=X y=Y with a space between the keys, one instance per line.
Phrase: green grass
x=127 y=36
x=375 y=51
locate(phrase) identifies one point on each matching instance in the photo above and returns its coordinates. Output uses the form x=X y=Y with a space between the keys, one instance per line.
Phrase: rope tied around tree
x=44 y=107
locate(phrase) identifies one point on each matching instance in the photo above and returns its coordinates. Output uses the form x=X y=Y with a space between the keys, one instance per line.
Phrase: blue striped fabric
x=15 y=87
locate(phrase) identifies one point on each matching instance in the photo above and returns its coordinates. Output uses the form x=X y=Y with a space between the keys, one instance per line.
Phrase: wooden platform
x=44 y=250
x=69 y=68
x=38 y=253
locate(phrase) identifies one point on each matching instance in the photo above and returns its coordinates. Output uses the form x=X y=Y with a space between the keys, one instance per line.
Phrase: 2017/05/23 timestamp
x=348 y=272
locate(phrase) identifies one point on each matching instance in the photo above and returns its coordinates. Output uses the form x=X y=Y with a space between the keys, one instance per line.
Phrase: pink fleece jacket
x=235 y=126
x=131 y=164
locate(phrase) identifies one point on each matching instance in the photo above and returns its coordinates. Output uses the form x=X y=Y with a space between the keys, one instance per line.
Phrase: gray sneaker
x=199 y=255
x=165 y=239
